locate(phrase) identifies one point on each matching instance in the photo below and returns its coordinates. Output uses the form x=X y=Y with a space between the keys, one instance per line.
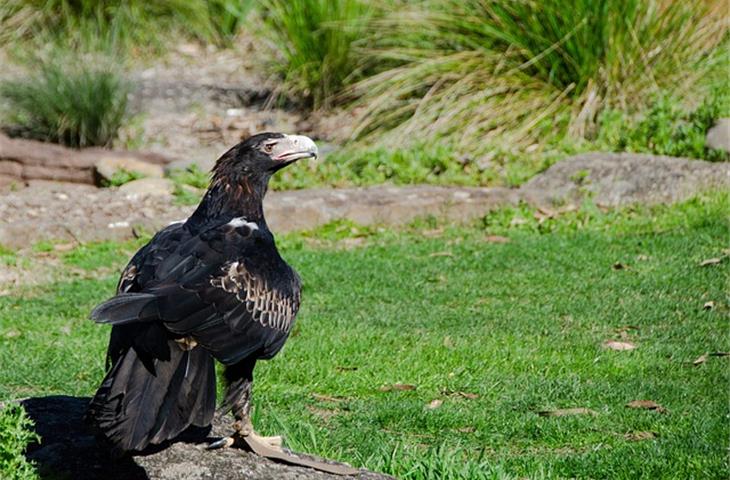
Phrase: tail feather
x=136 y=406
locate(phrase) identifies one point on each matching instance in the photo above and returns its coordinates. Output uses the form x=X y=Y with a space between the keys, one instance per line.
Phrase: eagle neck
x=229 y=198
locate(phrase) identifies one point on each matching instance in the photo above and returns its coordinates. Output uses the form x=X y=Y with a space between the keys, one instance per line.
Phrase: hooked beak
x=292 y=148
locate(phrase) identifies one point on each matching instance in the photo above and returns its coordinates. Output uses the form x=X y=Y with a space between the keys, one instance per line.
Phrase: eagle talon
x=224 y=442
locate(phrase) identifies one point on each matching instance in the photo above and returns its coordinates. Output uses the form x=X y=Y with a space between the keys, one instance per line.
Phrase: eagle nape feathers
x=211 y=288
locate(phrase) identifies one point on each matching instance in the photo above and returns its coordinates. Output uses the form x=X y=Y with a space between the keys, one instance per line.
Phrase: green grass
x=496 y=331
x=75 y=104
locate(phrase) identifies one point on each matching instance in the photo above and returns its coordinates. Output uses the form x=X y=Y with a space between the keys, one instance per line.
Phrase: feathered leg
x=239 y=378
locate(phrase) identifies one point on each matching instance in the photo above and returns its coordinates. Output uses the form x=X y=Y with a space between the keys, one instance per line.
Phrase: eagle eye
x=268 y=147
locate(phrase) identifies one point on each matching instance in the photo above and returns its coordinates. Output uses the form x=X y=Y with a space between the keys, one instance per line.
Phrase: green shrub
x=15 y=435
x=474 y=70
x=315 y=38
x=78 y=105
x=666 y=128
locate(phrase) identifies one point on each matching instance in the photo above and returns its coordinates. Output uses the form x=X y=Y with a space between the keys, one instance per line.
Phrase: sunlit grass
x=497 y=331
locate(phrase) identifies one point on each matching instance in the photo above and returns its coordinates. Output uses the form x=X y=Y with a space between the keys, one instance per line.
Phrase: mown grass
x=498 y=320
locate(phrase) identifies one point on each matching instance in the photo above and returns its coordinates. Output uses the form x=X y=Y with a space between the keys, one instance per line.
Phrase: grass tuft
x=528 y=71
x=78 y=105
x=315 y=39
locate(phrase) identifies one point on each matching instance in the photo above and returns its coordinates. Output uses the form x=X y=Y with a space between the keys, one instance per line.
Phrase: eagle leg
x=239 y=378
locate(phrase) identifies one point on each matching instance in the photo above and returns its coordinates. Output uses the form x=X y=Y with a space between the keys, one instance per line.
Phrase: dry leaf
x=708 y=305
x=710 y=261
x=646 y=405
x=327 y=398
x=470 y=396
x=517 y=221
x=397 y=386
x=434 y=404
x=63 y=247
x=618 y=346
x=638 y=436
x=496 y=239
x=448 y=343
x=700 y=360
x=11 y=334
x=345 y=369
x=642 y=257
x=322 y=413
x=566 y=412
x=465 y=429
x=436 y=232
x=441 y=254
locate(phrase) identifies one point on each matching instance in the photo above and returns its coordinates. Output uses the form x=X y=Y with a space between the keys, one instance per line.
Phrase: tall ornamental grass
x=315 y=40
x=470 y=70
x=77 y=105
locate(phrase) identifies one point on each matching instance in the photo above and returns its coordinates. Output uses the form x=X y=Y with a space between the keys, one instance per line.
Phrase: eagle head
x=265 y=153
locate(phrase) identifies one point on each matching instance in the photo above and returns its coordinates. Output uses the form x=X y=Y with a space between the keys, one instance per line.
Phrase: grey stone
x=614 y=179
x=718 y=137
x=158 y=187
x=106 y=167
x=204 y=164
x=68 y=449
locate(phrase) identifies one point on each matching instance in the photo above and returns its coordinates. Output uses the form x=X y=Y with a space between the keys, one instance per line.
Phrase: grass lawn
x=428 y=352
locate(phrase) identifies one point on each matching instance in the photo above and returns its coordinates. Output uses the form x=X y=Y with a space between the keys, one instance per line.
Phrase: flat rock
x=69 y=450
x=106 y=167
x=156 y=187
x=718 y=137
x=614 y=179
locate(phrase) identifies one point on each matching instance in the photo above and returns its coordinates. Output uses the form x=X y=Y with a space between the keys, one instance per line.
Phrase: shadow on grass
x=70 y=449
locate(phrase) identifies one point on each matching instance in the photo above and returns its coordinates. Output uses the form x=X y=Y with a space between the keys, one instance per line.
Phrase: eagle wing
x=227 y=288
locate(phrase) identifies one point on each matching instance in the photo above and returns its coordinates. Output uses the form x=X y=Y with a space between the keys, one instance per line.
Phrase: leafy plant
x=189 y=184
x=15 y=435
x=122 y=176
x=666 y=128
x=77 y=104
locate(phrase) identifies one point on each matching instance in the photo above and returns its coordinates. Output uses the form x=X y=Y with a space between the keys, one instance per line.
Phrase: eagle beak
x=292 y=148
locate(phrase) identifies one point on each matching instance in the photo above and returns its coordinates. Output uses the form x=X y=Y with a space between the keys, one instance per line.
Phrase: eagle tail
x=136 y=406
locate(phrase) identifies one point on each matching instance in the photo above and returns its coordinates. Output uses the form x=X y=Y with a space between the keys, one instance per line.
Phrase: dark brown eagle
x=211 y=288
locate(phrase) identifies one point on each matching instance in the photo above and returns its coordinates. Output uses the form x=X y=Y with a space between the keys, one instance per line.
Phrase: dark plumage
x=213 y=287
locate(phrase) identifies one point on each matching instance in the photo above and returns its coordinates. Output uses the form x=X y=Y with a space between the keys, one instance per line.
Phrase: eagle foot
x=244 y=433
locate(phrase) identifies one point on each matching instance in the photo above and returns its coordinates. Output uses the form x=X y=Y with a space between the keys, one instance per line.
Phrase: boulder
x=615 y=179
x=718 y=137
x=107 y=167
x=68 y=449
x=156 y=187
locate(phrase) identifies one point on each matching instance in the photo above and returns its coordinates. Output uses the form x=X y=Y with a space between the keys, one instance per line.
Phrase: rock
x=718 y=137
x=159 y=187
x=33 y=160
x=69 y=450
x=383 y=204
x=614 y=179
x=205 y=165
x=106 y=167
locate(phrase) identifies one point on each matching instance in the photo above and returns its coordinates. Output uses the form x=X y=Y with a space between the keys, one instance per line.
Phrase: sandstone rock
x=718 y=137
x=106 y=167
x=159 y=187
x=613 y=179
x=33 y=160
x=69 y=450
